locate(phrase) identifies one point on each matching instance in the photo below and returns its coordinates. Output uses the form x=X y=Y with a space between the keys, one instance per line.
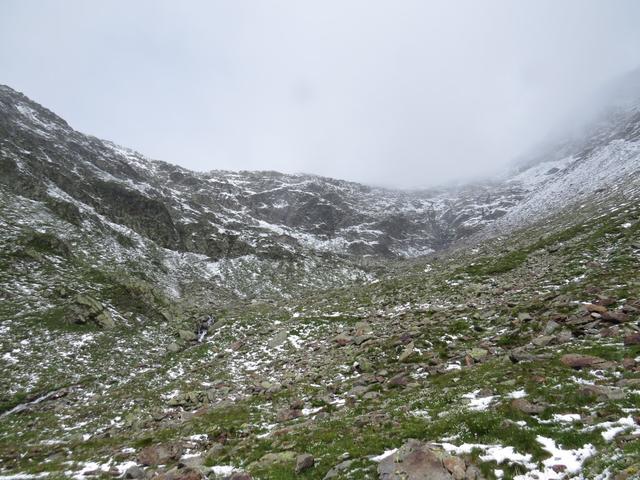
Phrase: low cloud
x=407 y=93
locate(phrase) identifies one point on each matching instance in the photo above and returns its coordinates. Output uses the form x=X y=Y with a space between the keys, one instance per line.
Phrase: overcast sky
x=405 y=93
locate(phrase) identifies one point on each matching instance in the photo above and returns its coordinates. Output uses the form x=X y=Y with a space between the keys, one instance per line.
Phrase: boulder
x=363 y=328
x=191 y=461
x=104 y=319
x=214 y=451
x=84 y=309
x=478 y=354
x=564 y=336
x=578 y=361
x=591 y=308
x=342 y=340
x=629 y=382
x=187 y=335
x=296 y=404
x=185 y=474
x=134 y=472
x=91 y=304
x=420 y=461
x=399 y=380
x=337 y=470
x=160 y=454
x=364 y=364
x=615 y=317
x=288 y=414
x=360 y=339
x=279 y=339
x=576 y=321
x=602 y=392
x=456 y=467
x=550 y=327
x=407 y=352
x=526 y=406
x=274 y=458
x=543 y=340
x=357 y=391
x=632 y=339
x=189 y=400
x=521 y=355
x=304 y=462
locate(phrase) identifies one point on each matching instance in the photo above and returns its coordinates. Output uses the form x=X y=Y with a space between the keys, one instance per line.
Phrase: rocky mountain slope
x=162 y=323
x=227 y=214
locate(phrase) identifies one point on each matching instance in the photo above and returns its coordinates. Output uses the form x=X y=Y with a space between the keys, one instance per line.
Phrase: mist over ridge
x=416 y=95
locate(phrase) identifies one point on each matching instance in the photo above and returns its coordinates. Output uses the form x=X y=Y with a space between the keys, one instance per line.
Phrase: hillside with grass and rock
x=157 y=322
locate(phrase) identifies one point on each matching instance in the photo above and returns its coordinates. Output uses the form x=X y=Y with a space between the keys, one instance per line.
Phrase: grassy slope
x=448 y=305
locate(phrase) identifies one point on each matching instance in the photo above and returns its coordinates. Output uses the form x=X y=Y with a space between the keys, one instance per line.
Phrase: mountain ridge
x=162 y=323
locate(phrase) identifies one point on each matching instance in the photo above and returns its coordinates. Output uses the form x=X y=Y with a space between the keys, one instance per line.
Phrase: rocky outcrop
x=84 y=309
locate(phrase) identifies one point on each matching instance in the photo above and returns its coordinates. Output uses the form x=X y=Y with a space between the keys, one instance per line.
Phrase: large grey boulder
x=416 y=460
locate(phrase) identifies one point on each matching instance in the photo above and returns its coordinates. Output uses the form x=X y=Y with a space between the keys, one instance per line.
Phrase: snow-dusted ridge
x=275 y=296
